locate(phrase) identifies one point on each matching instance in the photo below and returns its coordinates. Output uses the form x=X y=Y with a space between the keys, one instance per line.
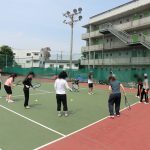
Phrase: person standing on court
x=145 y=89
x=115 y=96
x=90 y=84
x=27 y=82
x=8 y=87
x=60 y=86
x=0 y=82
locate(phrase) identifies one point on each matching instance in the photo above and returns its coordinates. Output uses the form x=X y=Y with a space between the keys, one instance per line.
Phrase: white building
x=27 y=58
x=62 y=64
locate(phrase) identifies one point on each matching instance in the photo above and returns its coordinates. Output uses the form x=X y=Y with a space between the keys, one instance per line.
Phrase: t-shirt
x=60 y=86
x=9 y=81
x=115 y=86
x=145 y=84
x=27 y=83
x=90 y=79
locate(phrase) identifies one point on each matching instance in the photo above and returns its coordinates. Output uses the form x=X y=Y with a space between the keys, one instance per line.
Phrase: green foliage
x=6 y=56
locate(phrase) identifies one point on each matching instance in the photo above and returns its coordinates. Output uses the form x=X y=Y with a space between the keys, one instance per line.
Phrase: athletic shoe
x=118 y=115
x=66 y=114
x=10 y=101
x=112 y=117
x=140 y=102
x=92 y=93
x=146 y=102
x=27 y=107
x=59 y=115
x=89 y=93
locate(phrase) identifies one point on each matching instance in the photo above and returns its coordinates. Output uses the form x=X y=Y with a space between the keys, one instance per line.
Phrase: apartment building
x=119 y=38
x=26 y=58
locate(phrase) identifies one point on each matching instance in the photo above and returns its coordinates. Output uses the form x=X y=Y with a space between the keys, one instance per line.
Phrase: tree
x=6 y=56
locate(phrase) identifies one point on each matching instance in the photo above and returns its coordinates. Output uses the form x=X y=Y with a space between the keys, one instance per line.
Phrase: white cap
x=145 y=75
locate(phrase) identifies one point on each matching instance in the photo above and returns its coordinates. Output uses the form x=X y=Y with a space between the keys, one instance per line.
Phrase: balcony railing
x=118 y=61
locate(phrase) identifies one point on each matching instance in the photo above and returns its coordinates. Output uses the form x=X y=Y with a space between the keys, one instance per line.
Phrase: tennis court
x=40 y=128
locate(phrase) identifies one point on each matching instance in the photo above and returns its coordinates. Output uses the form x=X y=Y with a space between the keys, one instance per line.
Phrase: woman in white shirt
x=145 y=89
x=90 y=83
x=60 y=87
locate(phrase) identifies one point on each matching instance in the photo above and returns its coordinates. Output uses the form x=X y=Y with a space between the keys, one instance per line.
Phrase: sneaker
x=66 y=115
x=59 y=114
x=10 y=101
x=27 y=107
x=112 y=117
x=146 y=102
x=118 y=115
x=90 y=93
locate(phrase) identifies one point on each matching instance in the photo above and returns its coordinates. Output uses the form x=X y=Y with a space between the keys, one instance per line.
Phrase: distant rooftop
x=114 y=8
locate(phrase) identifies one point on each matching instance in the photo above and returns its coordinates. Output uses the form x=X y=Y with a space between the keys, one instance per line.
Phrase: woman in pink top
x=7 y=86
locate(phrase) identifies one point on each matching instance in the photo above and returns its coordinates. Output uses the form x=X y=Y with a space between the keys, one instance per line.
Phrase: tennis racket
x=18 y=83
x=36 y=85
x=127 y=104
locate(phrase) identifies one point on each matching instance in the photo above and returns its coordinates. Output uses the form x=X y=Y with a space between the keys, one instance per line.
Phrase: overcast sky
x=33 y=24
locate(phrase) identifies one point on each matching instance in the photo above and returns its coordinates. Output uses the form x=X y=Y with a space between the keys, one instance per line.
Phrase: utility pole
x=73 y=17
x=6 y=61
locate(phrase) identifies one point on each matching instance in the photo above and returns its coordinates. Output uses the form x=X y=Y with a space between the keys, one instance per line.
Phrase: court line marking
x=35 y=122
x=34 y=94
x=68 y=135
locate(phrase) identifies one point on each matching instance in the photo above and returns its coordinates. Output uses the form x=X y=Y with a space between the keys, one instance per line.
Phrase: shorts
x=8 y=89
x=90 y=85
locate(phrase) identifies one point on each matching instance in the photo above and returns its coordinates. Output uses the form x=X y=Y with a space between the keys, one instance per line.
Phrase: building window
x=141 y=16
x=14 y=54
x=28 y=61
x=126 y=53
x=68 y=65
x=61 y=66
x=110 y=54
x=120 y=21
x=51 y=65
x=128 y=20
x=28 y=54
x=119 y=54
x=76 y=65
x=36 y=54
x=35 y=61
x=107 y=40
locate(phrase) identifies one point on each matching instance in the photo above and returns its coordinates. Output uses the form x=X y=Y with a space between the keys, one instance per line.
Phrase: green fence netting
x=124 y=75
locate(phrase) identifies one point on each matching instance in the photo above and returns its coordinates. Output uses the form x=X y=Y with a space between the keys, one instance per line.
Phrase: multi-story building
x=119 y=38
x=30 y=59
x=61 y=64
x=26 y=58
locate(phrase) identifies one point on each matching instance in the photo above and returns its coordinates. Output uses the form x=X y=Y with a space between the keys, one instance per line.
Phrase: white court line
x=34 y=94
x=39 y=124
x=38 y=148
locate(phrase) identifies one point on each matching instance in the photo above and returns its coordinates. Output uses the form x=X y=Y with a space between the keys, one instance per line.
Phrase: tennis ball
x=36 y=100
x=71 y=99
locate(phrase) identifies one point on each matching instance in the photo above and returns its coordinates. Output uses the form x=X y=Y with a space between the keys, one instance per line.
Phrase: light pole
x=73 y=16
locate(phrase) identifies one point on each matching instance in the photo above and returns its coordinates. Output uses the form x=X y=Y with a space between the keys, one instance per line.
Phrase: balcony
x=92 y=48
x=118 y=61
x=85 y=36
x=95 y=34
x=140 y=23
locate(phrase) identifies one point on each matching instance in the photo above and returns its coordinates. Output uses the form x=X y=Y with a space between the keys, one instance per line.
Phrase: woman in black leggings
x=27 y=84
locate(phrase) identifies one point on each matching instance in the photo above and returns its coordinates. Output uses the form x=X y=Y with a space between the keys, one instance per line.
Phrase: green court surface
x=23 y=129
